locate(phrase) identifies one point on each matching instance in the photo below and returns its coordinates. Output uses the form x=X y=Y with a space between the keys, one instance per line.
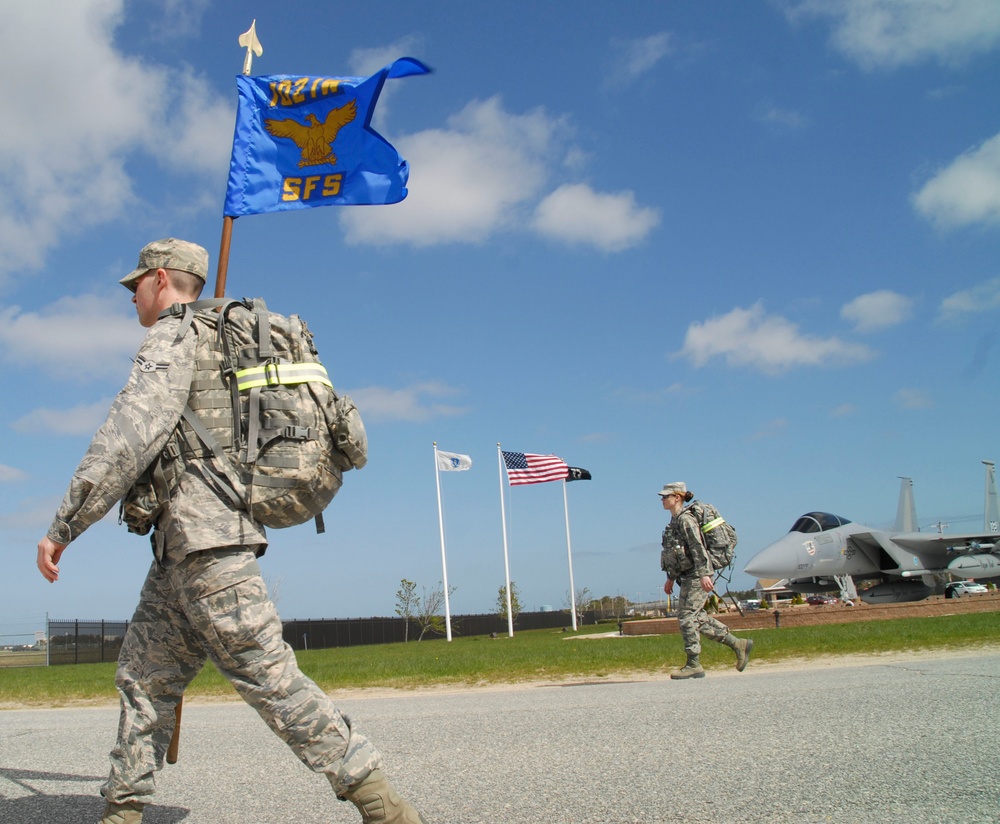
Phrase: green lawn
x=534 y=655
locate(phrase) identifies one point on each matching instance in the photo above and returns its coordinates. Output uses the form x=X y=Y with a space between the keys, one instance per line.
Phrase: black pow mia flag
x=577 y=474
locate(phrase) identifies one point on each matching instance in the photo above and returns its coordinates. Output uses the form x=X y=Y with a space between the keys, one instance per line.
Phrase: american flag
x=533 y=469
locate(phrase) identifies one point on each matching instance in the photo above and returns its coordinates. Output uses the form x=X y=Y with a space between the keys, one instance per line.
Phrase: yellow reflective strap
x=713 y=524
x=283 y=374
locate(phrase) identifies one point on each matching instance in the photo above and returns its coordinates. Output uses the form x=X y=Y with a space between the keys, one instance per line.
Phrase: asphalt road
x=913 y=740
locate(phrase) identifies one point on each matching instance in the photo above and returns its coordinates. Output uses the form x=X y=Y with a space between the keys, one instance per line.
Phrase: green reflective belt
x=713 y=524
x=281 y=374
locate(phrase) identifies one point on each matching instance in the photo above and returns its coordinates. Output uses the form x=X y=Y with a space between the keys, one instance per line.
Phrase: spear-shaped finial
x=249 y=41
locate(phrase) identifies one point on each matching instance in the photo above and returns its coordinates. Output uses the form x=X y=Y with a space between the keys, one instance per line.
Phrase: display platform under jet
x=825 y=553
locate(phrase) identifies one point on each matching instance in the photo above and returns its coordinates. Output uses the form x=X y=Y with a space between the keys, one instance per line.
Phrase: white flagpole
x=506 y=561
x=444 y=562
x=569 y=553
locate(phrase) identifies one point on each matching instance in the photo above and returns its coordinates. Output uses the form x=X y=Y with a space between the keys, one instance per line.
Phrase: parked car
x=956 y=589
x=819 y=600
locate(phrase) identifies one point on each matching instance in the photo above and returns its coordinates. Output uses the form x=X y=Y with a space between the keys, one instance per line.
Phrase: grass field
x=528 y=656
x=22 y=658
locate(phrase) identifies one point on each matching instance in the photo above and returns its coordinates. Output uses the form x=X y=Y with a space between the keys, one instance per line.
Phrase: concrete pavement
x=911 y=739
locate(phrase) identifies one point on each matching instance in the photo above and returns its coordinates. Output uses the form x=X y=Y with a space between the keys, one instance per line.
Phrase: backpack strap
x=231 y=481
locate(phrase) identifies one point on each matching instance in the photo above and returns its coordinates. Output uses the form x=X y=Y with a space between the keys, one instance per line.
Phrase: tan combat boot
x=742 y=647
x=692 y=669
x=127 y=813
x=379 y=802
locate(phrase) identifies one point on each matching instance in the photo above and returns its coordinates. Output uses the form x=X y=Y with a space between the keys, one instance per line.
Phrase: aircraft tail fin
x=906 y=511
x=991 y=510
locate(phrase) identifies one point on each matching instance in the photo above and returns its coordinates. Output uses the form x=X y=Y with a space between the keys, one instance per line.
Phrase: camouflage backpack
x=263 y=409
x=719 y=535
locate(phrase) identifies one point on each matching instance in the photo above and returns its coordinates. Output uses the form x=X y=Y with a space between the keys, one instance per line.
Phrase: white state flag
x=452 y=461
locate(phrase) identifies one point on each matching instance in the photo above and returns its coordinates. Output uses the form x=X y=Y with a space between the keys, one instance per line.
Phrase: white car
x=958 y=588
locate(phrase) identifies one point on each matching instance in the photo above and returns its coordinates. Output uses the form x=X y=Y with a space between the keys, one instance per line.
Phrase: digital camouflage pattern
x=685 y=559
x=142 y=419
x=718 y=535
x=290 y=437
x=169 y=253
x=214 y=604
x=684 y=552
x=692 y=618
x=203 y=597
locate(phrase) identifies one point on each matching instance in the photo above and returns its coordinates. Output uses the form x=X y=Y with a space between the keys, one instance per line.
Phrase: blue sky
x=748 y=245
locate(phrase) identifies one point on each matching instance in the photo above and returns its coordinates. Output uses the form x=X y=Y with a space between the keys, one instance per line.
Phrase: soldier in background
x=685 y=559
x=204 y=596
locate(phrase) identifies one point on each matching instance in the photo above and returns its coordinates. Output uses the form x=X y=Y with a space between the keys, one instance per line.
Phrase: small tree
x=584 y=601
x=515 y=602
x=406 y=604
x=428 y=616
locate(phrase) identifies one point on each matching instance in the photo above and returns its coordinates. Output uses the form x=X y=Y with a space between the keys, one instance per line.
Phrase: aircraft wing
x=973 y=555
x=941 y=544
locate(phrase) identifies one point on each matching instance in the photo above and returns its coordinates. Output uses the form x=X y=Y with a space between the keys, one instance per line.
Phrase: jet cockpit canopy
x=818 y=522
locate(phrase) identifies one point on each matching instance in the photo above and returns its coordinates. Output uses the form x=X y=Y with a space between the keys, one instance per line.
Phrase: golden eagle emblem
x=314 y=139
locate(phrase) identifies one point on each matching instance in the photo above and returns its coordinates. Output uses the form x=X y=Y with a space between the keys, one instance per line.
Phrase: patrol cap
x=676 y=488
x=169 y=253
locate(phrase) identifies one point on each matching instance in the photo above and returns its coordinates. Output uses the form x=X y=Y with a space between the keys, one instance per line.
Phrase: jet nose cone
x=775 y=561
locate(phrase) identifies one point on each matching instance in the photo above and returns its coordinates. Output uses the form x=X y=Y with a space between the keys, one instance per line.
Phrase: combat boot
x=128 y=813
x=379 y=802
x=692 y=669
x=742 y=647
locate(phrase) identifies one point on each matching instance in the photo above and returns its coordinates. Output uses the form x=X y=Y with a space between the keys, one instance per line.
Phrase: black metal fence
x=85 y=642
x=94 y=642
x=323 y=633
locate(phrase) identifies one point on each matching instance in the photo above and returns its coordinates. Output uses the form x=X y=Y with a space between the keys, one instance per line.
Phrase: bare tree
x=584 y=600
x=429 y=617
x=406 y=604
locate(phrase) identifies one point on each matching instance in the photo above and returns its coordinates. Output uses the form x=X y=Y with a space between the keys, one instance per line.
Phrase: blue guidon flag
x=307 y=141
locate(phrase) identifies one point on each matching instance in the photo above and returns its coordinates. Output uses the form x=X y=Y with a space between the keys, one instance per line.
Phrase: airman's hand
x=49 y=553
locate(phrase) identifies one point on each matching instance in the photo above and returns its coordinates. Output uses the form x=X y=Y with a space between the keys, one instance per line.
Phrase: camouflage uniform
x=685 y=559
x=203 y=597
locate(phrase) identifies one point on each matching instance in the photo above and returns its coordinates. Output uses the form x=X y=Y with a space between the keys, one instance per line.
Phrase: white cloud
x=783 y=118
x=772 y=344
x=843 y=410
x=80 y=420
x=892 y=33
x=487 y=172
x=412 y=403
x=81 y=339
x=877 y=310
x=983 y=297
x=772 y=429
x=579 y=215
x=913 y=399
x=466 y=181
x=9 y=474
x=64 y=147
x=967 y=190
x=636 y=57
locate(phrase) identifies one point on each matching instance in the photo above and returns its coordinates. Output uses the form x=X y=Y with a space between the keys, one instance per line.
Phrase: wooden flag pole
x=250 y=42
x=223 y=267
x=175 y=738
